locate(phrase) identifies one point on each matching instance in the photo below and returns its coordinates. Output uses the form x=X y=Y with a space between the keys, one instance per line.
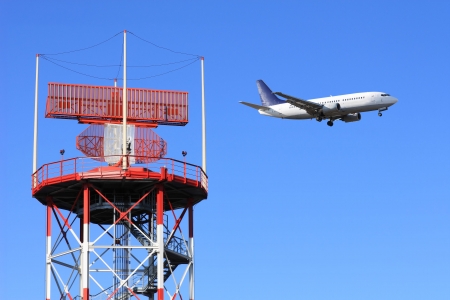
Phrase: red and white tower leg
x=191 y=250
x=160 y=241
x=85 y=244
x=48 y=249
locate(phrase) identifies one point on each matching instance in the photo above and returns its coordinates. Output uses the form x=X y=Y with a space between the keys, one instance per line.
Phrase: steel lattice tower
x=115 y=222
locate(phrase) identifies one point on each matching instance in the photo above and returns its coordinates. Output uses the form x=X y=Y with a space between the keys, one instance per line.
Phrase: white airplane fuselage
x=347 y=108
x=349 y=104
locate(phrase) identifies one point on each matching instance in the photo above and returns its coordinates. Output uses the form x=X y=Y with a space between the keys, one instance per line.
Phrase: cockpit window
x=384 y=95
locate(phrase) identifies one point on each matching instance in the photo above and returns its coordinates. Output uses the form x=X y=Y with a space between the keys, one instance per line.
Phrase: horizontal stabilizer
x=253 y=105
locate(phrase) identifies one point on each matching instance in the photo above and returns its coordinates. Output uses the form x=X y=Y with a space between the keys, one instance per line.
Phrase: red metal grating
x=103 y=104
x=148 y=146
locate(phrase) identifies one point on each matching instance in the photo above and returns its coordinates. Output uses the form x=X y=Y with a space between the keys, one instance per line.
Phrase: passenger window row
x=348 y=99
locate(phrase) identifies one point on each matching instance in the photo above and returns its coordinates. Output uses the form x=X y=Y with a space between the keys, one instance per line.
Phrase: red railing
x=103 y=104
x=87 y=167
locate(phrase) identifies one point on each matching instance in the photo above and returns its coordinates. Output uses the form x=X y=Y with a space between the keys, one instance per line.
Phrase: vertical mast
x=124 y=103
x=203 y=119
x=35 y=118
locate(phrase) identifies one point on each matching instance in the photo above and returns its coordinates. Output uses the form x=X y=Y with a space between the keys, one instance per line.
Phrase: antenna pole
x=125 y=104
x=35 y=118
x=203 y=118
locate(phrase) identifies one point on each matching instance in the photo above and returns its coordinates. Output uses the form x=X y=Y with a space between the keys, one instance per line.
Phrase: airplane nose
x=394 y=100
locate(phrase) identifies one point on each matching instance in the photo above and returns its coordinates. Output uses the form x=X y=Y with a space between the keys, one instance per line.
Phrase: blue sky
x=296 y=209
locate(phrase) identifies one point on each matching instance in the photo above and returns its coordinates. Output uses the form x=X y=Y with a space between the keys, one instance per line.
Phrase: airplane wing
x=310 y=107
x=253 y=105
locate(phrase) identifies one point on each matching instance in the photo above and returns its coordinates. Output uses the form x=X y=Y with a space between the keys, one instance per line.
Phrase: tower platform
x=63 y=180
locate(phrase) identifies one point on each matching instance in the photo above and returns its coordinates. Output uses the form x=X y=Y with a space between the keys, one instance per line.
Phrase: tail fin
x=267 y=97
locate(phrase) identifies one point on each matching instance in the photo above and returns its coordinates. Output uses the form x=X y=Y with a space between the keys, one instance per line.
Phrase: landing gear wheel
x=318 y=119
x=380 y=114
x=330 y=123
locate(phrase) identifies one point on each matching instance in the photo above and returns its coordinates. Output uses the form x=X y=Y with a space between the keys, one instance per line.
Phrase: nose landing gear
x=380 y=110
x=330 y=123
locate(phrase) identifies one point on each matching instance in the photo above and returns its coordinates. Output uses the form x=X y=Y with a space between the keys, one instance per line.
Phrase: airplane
x=347 y=108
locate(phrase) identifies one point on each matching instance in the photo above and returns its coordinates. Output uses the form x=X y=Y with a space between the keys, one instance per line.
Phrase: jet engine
x=330 y=108
x=351 y=117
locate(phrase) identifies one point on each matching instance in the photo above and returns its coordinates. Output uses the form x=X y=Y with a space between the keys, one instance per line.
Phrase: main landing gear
x=320 y=118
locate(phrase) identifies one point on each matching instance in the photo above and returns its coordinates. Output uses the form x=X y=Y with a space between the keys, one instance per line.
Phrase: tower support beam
x=85 y=243
x=191 y=250
x=48 y=249
x=160 y=240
